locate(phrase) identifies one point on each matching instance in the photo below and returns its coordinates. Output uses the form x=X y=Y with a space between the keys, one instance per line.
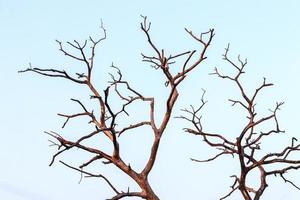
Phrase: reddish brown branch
x=92 y=175
x=133 y=126
x=248 y=140
x=106 y=116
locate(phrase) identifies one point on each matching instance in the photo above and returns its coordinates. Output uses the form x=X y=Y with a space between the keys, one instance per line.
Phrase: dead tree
x=248 y=140
x=106 y=118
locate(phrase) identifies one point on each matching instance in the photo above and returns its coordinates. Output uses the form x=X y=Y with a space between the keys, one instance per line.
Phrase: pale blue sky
x=266 y=32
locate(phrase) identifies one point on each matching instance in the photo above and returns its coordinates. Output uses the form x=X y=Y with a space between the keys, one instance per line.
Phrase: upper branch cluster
x=105 y=117
x=163 y=62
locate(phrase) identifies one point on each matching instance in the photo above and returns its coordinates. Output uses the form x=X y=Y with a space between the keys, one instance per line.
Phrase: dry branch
x=105 y=117
x=249 y=140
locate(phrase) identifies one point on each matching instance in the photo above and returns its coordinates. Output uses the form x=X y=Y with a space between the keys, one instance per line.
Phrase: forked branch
x=106 y=115
x=248 y=140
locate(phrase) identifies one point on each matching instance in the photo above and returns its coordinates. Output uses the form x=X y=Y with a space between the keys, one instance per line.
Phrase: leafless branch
x=92 y=175
x=249 y=140
x=106 y=115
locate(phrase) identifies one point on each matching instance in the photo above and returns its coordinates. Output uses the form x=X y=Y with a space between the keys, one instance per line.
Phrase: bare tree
x=106 y=117
x=248 y=141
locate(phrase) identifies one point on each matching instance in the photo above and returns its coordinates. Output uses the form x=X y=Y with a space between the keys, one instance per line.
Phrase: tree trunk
x=147 y=190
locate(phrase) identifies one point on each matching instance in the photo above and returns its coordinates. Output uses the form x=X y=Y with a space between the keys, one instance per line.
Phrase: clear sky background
x=266 y=32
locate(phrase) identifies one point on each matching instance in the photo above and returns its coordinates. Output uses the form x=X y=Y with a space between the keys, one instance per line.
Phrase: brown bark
x=248 y=141
x=105 y=118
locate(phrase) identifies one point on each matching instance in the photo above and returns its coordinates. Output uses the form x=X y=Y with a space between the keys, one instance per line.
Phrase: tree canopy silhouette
x=106 y=117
